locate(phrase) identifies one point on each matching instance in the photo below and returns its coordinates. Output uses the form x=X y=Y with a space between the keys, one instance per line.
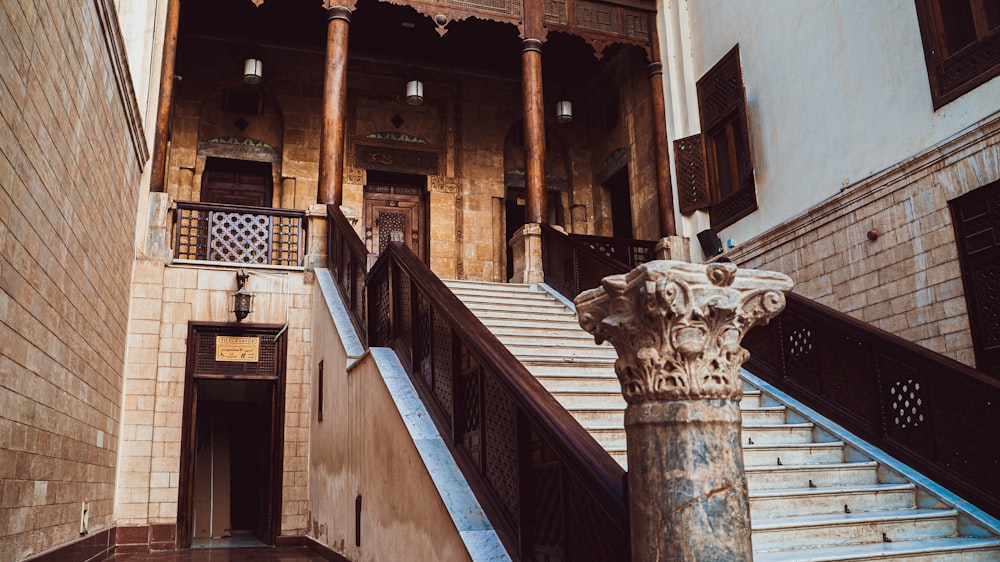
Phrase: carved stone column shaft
x=677 y=329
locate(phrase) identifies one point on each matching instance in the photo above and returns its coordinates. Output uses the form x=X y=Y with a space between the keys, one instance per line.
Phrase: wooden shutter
x=722 y=104
x=692 y=180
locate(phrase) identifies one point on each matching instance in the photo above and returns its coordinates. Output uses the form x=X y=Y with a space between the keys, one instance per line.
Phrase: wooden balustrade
x=575 y=263
x=243 y=235
x=550 y=489
x=347 y=259
x=935 y=414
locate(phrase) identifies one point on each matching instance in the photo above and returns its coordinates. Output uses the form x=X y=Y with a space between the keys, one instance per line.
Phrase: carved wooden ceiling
x=478 y=34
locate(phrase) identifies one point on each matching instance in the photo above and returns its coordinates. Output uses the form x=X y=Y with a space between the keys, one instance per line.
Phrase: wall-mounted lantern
x=242 y=299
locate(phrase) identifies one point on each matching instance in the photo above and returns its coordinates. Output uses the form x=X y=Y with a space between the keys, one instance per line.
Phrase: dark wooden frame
x=722 y=104
x=955 y=74
x=185 y=493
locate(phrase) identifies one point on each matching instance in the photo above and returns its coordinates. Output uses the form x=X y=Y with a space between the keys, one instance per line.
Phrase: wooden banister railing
x=234 y=234
x=931 y=412
x=574 y=263
x=348 y=261
x=550 y=490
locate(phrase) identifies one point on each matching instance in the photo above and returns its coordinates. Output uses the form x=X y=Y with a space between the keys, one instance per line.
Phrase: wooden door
x=977 y=231
x=395 y=213
x=237 y=182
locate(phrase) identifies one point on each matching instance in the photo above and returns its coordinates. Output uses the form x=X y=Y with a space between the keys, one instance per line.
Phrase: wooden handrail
x=348 y=260
x=394 y=282
x=928 y=410
x=572 y=266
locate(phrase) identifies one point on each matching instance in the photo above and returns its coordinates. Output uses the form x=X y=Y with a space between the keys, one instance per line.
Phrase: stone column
x=526 y=245
x=331 y=148
x=677 y=329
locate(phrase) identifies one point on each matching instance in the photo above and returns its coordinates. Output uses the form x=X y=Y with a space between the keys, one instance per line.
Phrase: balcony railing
x=242 y=235
x=574 y=263
x=549 y=488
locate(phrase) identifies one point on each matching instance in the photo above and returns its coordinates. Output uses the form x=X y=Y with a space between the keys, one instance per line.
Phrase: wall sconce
x=252 y=69
x=242 y=299
x=414 y=92
x=564 y=111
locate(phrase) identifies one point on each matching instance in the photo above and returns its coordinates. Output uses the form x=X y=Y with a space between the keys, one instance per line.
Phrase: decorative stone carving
x=442 y=184
x=677 y=326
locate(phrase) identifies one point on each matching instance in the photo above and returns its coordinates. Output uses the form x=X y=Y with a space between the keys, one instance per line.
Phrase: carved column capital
x=677 y=326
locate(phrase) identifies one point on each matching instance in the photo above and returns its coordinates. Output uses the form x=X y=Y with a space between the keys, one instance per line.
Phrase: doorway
x=395 y=210
x=232 y=437
x=237 y=182
x=618 y=189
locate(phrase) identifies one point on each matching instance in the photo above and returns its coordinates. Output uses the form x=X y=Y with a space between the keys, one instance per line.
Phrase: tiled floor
x=265 y=554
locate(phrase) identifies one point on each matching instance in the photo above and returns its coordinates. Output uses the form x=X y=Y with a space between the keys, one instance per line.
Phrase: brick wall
x=70 y=161
x=908 y=280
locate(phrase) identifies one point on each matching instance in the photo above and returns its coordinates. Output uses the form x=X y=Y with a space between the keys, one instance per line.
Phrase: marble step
x=538 y=306
x=765 y=504
x=499 y=321
x=783 y=433
x=575 y=381
x=569 y=350
x=950 y=549
x=779 y=454
x=852 y=528
x=549 y=338
x=785 y=476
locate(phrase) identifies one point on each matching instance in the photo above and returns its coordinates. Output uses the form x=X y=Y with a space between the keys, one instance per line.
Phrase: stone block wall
x=908 y=281
x=71 y=155
x=164 y=300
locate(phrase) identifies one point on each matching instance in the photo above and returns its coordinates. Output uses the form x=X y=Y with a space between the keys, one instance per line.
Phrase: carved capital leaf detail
x=677 y=327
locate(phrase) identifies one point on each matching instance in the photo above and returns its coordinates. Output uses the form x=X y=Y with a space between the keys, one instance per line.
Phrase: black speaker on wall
x=711 y=245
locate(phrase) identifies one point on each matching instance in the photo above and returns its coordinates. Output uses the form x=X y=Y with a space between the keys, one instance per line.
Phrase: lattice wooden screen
x=692 y=179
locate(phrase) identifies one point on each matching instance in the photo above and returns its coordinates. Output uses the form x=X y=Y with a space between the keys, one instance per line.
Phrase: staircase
x=813 y=497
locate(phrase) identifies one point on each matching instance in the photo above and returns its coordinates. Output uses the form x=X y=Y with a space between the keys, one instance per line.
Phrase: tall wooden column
x=331 y=148
x=664 y=190
x=158 y=169
x=536 y=203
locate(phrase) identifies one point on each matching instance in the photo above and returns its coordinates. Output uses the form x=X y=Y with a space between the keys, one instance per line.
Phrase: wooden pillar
x=158 y=169
x=331 y=148
x=664 y=190
x=536 y=202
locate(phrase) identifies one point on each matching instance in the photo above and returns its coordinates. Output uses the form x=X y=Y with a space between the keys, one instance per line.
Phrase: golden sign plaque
x=237 y=349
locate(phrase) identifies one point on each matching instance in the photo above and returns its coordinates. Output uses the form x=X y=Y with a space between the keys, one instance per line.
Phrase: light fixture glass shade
x=414 y=92
x=242 y=303
x=252 y=69
x=564 y=111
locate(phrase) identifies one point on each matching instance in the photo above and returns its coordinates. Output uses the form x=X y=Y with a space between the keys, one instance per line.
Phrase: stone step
x=577 y=382
x=533 y=360
x=763 y=415
x=787 y=477
x=566 y=351
x=783 y=433
x=852 y=528
x=549 y=338
x=538 y=306
x=951 y=549
x=789 y=454
x=498 y=321
x=578 y=400
x=766 y=504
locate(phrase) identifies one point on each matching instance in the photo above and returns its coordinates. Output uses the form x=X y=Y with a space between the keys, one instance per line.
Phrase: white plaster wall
x=363 y=446
x=836 y=91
